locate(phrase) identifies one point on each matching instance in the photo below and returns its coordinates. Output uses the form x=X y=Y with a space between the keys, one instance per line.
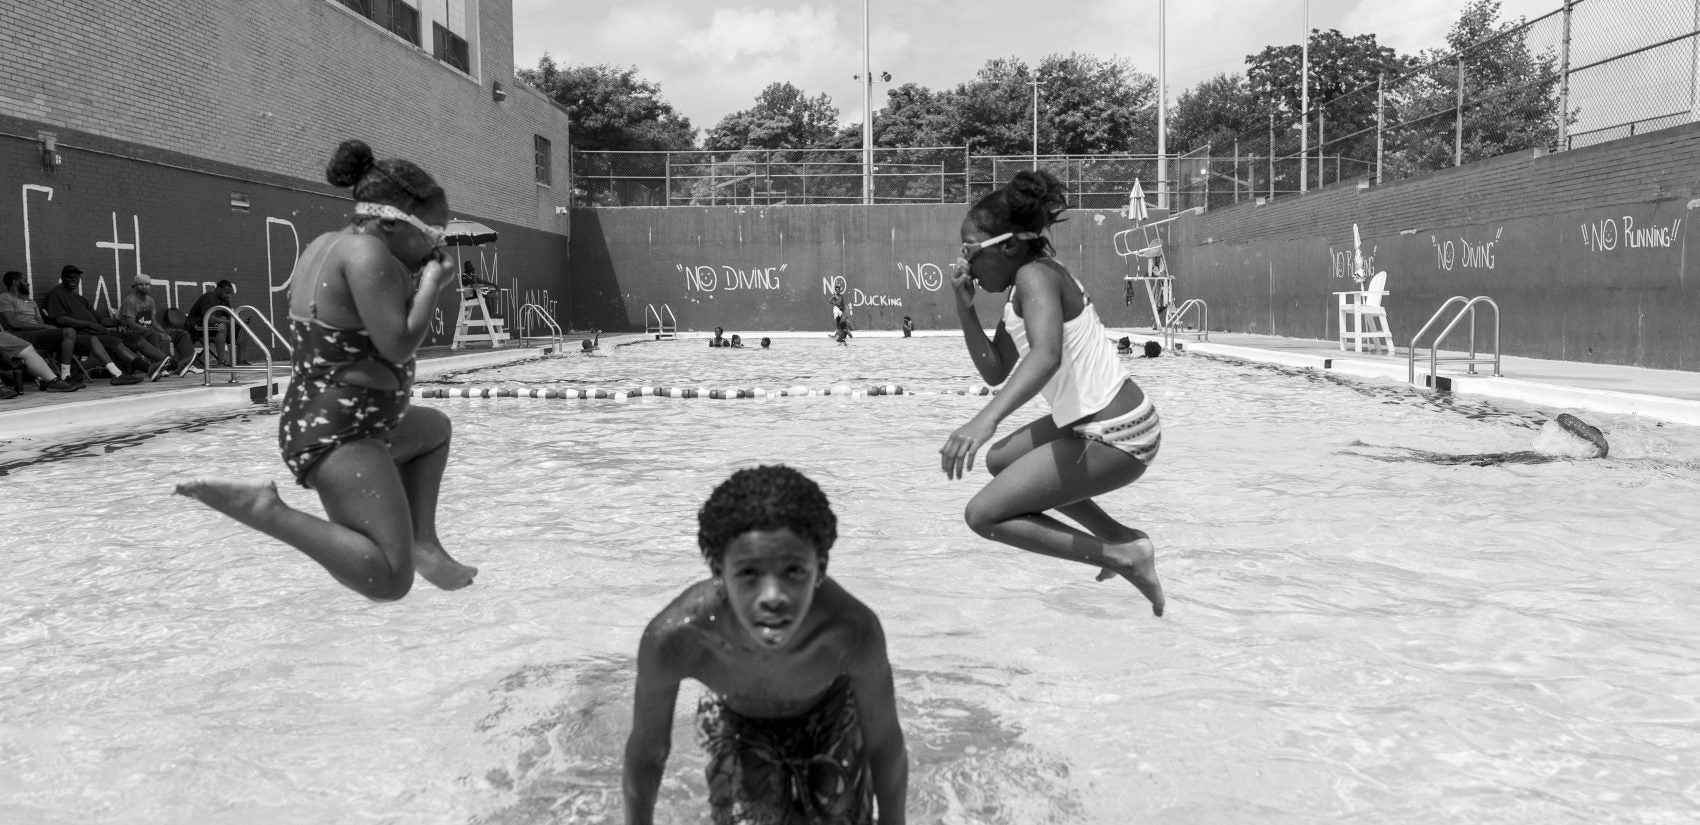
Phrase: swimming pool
x=1347 y=638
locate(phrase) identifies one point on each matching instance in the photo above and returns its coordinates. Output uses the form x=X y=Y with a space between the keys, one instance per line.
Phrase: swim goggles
x=437 y=235
x=970 y=249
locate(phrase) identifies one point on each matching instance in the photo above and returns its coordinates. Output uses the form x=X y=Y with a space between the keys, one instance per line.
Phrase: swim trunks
x=1138 y=432
x=801 y=769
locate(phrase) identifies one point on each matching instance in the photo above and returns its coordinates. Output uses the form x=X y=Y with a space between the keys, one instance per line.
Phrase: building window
x=540 y=148
x=449 y=47
x=398 y=17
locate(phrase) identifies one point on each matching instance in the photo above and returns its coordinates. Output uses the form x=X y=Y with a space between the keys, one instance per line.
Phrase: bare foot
x=1140 y=569
x=439 y=568
x=250 y=502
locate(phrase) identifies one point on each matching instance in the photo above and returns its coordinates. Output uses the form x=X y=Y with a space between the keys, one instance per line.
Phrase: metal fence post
x=1272 y=149
x=1564 y=84
x=1380 y=114
x=1322 y=147
x=1236 y=174
x=1458 y=121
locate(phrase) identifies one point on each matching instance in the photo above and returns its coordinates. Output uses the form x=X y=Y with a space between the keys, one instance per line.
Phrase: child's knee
x=981 y=519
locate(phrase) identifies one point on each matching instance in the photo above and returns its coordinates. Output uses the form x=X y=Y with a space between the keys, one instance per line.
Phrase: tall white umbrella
x=1136 y=209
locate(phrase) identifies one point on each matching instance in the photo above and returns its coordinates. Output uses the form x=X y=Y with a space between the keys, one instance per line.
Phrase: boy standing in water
x=800 y=722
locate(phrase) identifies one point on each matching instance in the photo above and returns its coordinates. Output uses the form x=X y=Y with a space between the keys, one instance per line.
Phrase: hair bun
x=353 y=159
x=1036 y=198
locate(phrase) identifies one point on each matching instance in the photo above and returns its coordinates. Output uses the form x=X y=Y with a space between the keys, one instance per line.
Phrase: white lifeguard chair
x=475 y=323
x=1149 y=265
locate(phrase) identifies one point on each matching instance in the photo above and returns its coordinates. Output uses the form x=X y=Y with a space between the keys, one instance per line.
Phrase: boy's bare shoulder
x=680 y=631
x=846 y=613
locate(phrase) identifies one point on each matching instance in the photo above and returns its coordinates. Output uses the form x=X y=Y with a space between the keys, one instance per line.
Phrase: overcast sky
x=712 y=58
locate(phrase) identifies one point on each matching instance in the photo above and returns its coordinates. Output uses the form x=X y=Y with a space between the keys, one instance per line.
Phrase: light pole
x=1162 y=106
x=1304 y=104
x=1035 y=83
x=868 y=113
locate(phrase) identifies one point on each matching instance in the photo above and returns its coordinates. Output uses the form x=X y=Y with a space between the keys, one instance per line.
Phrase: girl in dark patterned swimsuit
x=346 y=429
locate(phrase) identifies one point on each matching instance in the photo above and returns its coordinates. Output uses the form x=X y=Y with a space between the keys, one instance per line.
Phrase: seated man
x=66 y=307
x=23 y=316
x=13 y=347
x=136 y=315
x=20 y=316
x=223 y=331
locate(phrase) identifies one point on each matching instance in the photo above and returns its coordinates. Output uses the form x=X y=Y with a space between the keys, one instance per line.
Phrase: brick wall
x=1585 y=252
x=114 y=215
x=273 y=86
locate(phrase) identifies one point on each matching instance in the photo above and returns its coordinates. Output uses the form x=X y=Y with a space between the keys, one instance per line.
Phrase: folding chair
x=174 y=319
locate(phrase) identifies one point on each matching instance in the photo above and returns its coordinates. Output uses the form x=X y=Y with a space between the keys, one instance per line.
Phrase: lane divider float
x=717 y=394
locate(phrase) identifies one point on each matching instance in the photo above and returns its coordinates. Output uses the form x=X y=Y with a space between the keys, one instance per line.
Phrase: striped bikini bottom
x=1138 y=433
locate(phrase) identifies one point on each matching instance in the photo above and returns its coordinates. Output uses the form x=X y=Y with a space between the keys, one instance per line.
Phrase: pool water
x=1347 y=638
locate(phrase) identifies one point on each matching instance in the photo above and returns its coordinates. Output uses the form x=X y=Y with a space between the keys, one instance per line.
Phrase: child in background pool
x=800 y=722
x=1102 y=432
x=908 y=326
x=346 y=429
x=1124 y=346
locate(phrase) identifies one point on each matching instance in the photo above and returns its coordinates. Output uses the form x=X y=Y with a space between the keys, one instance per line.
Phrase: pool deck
x=1664 y=395
x=101 y=404
x=1558 y=386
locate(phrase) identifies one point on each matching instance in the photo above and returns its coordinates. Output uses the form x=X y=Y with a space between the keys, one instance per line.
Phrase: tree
x=1510 y=95
x=613 y=109
x=1092 y=106
x=1343 y=77
x=784 y=117
x=1216 y=112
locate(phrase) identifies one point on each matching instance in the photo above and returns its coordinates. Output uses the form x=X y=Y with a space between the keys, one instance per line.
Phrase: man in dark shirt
x=220 y=326
x=65 y=306
x=20 y=315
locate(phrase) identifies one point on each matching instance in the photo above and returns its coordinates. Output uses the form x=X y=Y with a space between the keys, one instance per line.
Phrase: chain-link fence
x=1590 y=71
x=770 y=177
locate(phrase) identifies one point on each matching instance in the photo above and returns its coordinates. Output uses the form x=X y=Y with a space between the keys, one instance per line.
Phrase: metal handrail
x=1434 y=358
x=276 y=335
x=660 y=329
x=232 y=368
x=555 y=333
x=1174 y=318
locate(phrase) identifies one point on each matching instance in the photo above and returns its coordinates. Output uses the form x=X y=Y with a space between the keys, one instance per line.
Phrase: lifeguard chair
x=475 y=322
x=1150 y=266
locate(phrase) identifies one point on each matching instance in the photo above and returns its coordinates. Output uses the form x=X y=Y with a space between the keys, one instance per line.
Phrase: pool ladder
x=1172 y=322
x=236 y=320
x=556 y=335
x=1434 y=359
x=657 y=325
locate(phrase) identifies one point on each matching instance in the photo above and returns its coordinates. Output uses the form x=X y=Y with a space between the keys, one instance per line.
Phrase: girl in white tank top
x=1102 y=432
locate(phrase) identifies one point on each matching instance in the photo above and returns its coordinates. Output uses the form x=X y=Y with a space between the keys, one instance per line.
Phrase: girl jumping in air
x=358 y=316
x=1102 y=432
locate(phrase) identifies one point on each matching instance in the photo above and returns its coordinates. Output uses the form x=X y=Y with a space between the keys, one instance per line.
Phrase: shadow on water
x=555 y=740
x=105 y=443
x=1398 y=454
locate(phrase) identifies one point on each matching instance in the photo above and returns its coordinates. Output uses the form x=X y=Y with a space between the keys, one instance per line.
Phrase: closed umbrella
x=1136 y=203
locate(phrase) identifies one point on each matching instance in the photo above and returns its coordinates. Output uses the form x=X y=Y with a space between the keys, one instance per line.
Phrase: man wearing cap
x=221 y=326
x=136 y=314
x=65 y=306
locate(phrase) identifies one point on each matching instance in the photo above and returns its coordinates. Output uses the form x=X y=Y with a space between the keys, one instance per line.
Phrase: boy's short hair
x=769 y=497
